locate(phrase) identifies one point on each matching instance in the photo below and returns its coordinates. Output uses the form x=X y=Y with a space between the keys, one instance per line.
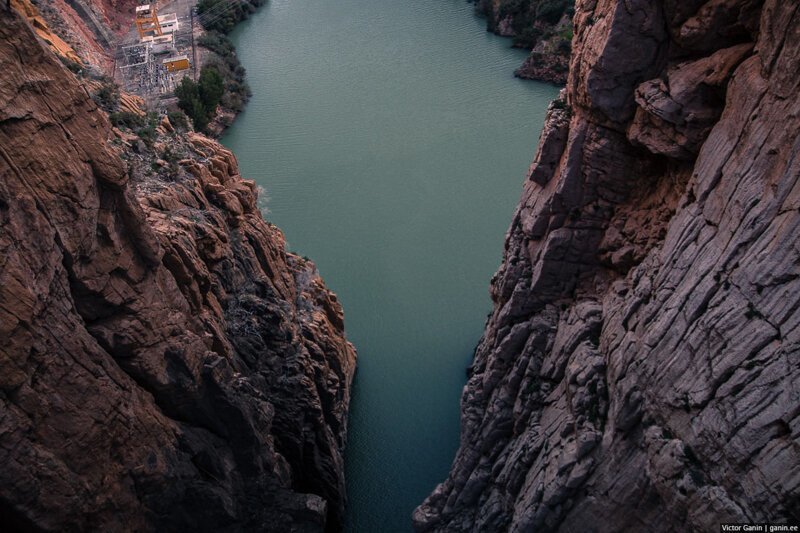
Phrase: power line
x=218 y=9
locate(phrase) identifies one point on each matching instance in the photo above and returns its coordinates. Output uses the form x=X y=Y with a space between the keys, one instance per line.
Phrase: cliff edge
x=640 y=369
x=165 y=364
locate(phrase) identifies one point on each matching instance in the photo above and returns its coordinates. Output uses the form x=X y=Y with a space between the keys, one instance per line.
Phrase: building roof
x=175 y=58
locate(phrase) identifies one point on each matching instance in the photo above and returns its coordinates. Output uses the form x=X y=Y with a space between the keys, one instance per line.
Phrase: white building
x=168 y=23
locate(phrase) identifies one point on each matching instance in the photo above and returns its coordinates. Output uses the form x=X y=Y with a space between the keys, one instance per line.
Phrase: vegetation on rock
x=222 y=15
x=107 y=96
x=237 y=92
x=527 y=21
x=543 y=26
x=219 y=17
x=199 y=100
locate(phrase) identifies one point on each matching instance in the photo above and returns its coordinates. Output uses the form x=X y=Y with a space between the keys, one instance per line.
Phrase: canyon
x=639 y=370
x=166 y=363
x=393 y=159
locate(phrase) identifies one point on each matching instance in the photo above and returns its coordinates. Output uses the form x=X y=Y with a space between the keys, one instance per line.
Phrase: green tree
x=187 y=92
x=190 y=102
x=200 y=100
x=199 y=115
x=210 y=88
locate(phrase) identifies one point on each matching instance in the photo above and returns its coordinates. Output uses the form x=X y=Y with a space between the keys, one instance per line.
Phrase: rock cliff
x=641 y=368
x=165 y=363
x=89 y=27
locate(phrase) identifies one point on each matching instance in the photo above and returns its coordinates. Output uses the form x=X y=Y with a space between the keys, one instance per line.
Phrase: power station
x=159 y=57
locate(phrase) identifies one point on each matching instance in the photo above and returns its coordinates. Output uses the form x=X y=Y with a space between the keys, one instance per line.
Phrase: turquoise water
x=391 y=140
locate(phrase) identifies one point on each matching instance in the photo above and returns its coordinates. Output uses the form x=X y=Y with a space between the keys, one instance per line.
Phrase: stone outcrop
x=551 y=67
x=165 y=363
x=39 y=24
x=640 y=369
x=542 y=26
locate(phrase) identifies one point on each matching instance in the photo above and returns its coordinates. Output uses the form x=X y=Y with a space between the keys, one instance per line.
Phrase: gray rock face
x=641 y=368
x=674 y=116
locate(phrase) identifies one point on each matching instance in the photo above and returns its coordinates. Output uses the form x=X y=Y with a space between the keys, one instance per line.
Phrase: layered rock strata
x=640 y=369
x=165 y=363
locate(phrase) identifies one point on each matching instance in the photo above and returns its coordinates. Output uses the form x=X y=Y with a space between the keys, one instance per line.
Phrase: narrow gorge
x=390 y=141
x=170 y=360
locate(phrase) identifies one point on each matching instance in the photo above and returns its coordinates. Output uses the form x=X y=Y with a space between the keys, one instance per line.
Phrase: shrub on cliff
x=144 y=126
x=107 y=96
x=178 y=120
x=126 y=119
x=74 y=67
x=147 y=133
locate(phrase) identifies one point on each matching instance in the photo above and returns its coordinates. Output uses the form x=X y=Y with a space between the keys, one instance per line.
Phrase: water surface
x=391 y=140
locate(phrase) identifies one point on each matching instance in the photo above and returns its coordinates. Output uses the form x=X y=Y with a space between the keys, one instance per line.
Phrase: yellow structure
x=177 y=63
x=147 y=21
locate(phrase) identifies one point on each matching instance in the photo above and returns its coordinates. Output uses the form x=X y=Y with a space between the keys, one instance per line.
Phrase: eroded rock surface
x=640 y=370
x=165 y=364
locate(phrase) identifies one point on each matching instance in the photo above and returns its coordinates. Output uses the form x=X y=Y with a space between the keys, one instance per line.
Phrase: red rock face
x=118 y=14
x=165 y=364
x=640 y=368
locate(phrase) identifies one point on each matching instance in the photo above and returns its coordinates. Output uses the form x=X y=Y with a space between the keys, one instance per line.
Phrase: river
x=391 y=140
